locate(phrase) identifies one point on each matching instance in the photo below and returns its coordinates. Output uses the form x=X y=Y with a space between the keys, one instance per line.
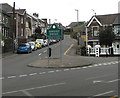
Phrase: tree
x=37 y=34
x=106 y=36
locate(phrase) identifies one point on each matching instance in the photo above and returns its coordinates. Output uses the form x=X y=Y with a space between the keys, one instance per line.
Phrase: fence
x=103 y=51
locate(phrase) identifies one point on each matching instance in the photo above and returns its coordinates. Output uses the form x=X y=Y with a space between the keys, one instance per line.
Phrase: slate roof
x=108 y=19
x=6 y=7
x=9 y=9
x=21 y=11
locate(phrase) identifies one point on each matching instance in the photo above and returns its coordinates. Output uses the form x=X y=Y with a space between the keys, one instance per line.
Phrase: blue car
x=24 y=48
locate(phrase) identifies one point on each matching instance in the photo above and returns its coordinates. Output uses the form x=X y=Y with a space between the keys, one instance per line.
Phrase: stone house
x=98 y=22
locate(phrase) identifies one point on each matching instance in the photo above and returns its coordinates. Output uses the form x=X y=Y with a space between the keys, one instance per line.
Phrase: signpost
x=54 y=33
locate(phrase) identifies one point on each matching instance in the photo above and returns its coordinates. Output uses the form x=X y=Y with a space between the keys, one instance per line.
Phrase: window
x=118 y=46
x=117 y=30
x=95 y=31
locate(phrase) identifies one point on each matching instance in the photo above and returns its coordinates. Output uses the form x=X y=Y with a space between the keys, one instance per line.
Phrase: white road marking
x=58 y=70
x=33 y=74
x=113 y=80
x=73 y=68
x=51 y=85
x=90 y=66
x=42 y=73
x=116 y=61
x=40 y=54
x=51 y=71
x=109 y=63
x=113 y=63
x=104 y=63
x=45 y=51
x=66 y=69
x=78 y=68
x=10 y=77
x=95 y=65
x=97 y=81
x=84 y=67
x=23 y=75
x=99 y=64
x=2 y=78
x=104 y=93
x=26 y=93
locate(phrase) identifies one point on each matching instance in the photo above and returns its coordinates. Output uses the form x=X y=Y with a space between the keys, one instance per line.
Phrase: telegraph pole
x=14 y=27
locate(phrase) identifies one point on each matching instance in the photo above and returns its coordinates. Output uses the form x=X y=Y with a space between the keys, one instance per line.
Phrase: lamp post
x=77 y=14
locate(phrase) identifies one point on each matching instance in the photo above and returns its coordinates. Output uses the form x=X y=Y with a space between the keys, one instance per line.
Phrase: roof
x=6 y=7
x=117 y=20
x=105 y=19
x=75 y=24
x=9 y=9
x=21 y=11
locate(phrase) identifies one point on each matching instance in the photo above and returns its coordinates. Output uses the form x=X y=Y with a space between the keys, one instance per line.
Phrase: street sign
x=54 y=32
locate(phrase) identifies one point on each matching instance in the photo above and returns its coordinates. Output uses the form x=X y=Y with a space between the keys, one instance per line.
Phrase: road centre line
x=95 y=65
x=33 y=74
x=34 y=88
x=58 y=70
x=51 y=71
x=66 y=69
x=103 y=93
x=10 y=77
x=42 y=73
x=23 y=75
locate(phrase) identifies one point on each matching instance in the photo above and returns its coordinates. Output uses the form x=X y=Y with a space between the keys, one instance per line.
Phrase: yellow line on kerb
x=68 y=49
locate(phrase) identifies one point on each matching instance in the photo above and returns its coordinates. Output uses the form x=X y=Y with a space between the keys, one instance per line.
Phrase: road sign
x=54 y=32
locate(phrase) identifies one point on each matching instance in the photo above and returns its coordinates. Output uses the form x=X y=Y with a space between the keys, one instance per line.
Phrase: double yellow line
x=68 y=49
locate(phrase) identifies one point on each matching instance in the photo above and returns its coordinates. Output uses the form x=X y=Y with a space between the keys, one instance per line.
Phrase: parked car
x=38 y=45
x=45 y=43
x=24 y=47
x=33 y=46
x=40 y=41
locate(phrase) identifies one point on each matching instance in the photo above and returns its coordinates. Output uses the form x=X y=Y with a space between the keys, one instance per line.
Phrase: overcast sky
x=64 y=10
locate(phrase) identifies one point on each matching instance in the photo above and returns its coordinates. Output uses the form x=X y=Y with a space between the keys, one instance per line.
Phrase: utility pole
x=14 y=27
x=77 y=14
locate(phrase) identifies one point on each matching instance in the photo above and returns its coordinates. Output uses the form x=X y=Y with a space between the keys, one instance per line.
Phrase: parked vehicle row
x=34 y=45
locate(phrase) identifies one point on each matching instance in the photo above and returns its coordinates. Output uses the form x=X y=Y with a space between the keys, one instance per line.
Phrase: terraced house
x=5 y=27
x=17 y=26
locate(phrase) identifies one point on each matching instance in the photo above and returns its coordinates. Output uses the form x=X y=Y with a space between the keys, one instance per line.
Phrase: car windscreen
x=22 y=45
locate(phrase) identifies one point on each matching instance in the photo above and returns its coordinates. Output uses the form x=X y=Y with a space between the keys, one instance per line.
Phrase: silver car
x=33 y=46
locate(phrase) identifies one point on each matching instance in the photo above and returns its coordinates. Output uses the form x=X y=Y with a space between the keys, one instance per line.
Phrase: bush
x=81 y=50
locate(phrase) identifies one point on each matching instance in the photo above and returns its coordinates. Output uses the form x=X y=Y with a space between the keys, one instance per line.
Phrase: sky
x=63 y=11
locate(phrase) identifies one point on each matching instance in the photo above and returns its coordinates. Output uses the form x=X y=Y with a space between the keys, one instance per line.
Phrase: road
x=99 y=79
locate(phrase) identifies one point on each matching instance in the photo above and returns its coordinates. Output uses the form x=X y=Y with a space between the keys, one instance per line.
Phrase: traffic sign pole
x=55 y=33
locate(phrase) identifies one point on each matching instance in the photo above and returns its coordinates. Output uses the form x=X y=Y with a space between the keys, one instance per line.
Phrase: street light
x=77 y=14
